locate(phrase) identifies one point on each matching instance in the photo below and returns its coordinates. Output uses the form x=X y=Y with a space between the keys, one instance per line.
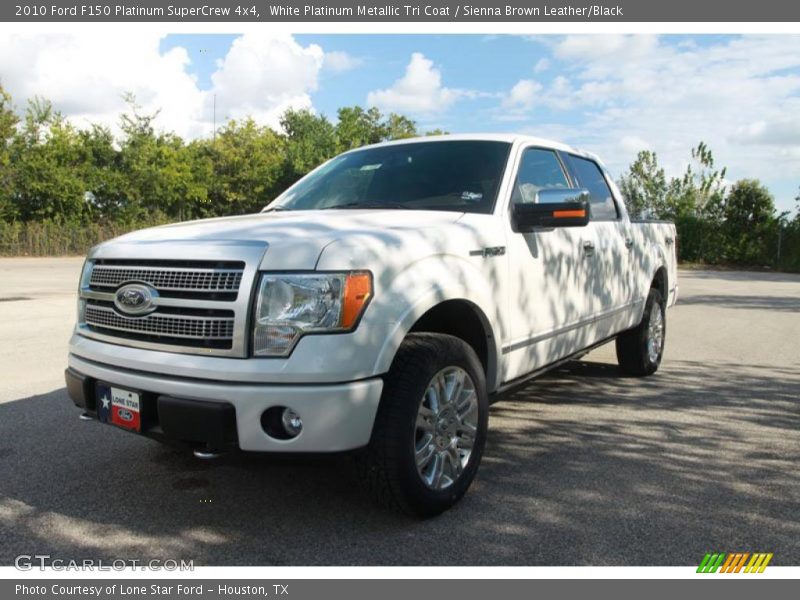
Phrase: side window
x=591 y=177
x=539 y=169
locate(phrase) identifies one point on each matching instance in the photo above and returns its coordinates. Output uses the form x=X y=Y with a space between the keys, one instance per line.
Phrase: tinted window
x=459 y=175
x=591 y=178
x=538 y=170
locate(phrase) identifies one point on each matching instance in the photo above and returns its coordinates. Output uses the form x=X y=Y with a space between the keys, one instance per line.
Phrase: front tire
x=430 y=429
x=639 y=350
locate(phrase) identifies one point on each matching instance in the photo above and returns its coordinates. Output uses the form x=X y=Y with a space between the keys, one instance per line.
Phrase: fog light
x=281 y=423
x=291 y=422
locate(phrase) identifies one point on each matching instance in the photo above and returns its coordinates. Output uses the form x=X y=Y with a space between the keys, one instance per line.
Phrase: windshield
x=460 y=176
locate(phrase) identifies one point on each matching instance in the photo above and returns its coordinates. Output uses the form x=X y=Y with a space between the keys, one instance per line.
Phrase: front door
x=550 y=305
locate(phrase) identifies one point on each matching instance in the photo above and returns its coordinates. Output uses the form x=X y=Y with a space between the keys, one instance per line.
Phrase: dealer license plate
x=119 y=407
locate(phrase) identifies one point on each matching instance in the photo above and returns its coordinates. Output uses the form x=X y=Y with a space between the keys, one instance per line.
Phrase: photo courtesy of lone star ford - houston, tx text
x=344 y=299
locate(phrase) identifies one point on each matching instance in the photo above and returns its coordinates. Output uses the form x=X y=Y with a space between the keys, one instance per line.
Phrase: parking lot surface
x=582 y=466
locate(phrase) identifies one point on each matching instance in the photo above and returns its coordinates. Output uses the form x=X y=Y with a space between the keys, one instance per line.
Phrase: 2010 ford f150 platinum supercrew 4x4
x=377 y=305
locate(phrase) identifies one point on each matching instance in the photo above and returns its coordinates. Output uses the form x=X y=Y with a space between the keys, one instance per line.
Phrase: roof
x=509 y=138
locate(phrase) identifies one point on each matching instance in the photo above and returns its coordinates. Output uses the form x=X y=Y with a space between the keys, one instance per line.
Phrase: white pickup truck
x=378 y=305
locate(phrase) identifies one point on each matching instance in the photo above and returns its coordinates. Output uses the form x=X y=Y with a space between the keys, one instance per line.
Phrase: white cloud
x=541 y=65
x=261 y=76
x=86 y=76
x=599 y=48
x=632 y=92
x=634 y=144
x=420 y=90
x=523 y=95
x=339 y=62
x=781 y=131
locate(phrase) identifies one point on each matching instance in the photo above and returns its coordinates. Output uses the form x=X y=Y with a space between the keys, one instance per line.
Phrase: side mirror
x=561 y=207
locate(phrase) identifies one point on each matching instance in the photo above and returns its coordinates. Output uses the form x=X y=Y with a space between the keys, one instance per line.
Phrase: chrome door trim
x=571 y=327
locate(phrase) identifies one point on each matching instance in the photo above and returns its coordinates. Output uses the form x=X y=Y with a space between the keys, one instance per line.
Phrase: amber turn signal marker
x=563 y=214
x=357 y=292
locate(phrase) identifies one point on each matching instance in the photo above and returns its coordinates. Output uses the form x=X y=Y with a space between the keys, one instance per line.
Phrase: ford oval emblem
x=135 y=299
x=125 y=414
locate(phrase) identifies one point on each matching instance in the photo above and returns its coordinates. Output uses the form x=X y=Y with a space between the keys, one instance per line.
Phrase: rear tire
x=427 y=442
x=639 y=350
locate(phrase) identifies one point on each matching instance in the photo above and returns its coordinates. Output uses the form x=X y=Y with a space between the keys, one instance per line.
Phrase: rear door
x=610 y=283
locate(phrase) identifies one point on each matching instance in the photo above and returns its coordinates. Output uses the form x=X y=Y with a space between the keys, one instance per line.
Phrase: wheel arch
x=454 y=315
x=465 y=320
x=660 y=281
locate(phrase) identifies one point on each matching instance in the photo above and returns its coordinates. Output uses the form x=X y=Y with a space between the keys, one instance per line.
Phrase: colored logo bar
x=735 y=562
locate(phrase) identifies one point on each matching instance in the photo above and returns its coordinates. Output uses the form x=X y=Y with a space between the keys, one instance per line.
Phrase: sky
x=611 y=94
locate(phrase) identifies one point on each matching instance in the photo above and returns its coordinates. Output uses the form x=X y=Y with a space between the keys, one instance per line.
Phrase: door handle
x=588 y=247
x=629 y=243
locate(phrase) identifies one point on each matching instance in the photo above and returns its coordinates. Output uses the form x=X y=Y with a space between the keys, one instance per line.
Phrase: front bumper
x=336 y=417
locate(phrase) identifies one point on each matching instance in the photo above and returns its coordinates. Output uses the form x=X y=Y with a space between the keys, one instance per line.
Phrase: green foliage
x=788 y=243
x=697 y=192
x=310 y=141
x=700 y=189
x=159 y=169
x=8 y=127
x=47 y=175
x=737 y=227
x=51 y=238
x=749 y=223
x=243 y=167
x=358 y=127
x=63 y=190
x=399 y=127
x=644 y=186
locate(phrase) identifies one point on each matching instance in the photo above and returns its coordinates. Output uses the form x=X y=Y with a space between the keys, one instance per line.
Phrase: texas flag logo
x=119 y=407
x=103 y=403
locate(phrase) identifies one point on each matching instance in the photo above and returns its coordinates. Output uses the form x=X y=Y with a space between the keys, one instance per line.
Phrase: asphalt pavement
x=582 y=466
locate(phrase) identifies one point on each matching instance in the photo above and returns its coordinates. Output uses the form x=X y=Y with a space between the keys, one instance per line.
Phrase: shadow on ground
x=771 y=303
x=582 y=467
x=743 y=276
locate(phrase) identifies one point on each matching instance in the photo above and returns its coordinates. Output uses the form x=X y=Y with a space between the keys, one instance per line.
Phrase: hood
x=294 y=240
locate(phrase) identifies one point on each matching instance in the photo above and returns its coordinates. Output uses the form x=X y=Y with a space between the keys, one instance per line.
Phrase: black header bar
x=470 y=11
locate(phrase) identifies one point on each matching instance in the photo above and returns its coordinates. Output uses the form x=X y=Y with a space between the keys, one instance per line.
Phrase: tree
x=644 y=186
x=8 y=128
x=158 y=169
x=358 y=127
x=749 y=221
x=311 y=140
x=399 y=127
x=436 y=131
x=701 y=189
x=48 y=180
x=245 y=167
x=105 y=180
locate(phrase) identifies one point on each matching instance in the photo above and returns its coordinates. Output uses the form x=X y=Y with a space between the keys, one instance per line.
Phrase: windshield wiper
x=392 y=205
x=276 y=209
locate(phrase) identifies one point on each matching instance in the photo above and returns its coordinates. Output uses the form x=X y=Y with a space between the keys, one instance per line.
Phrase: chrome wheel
x=446 y=426
x=655 y=334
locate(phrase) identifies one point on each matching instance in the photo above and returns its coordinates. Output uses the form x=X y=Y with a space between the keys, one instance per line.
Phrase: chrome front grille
x=173 y=327
x=168 y=279
x=199 y=302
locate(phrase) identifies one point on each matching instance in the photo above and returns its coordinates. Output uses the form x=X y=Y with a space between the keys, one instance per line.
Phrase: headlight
x=289 y=306
x=86 y=276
